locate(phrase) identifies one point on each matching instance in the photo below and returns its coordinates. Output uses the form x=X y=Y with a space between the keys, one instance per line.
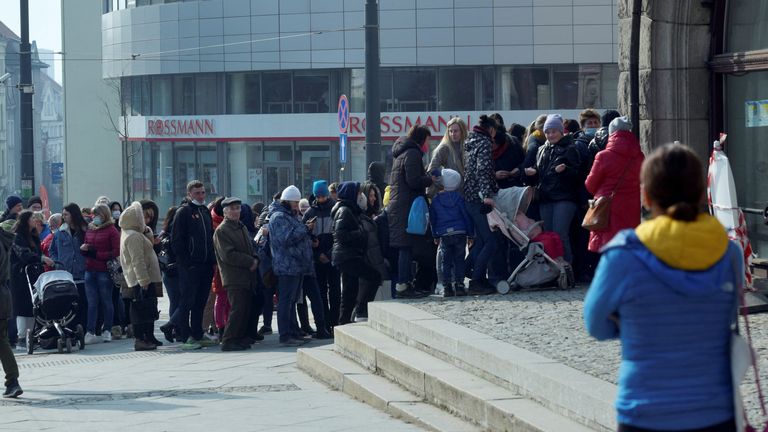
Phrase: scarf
x=481 y=131
x=500 y=150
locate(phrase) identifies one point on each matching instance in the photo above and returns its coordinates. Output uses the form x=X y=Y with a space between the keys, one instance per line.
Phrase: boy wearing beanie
x=451 y=225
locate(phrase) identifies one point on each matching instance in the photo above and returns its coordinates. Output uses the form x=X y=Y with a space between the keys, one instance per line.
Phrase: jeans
x=329 y=283
x=195 y=283
x=311 y=291
x=290 y=286
x=7 y=358
x=404 y=260
x=451 y=252
x=485 y=242
x=351 y=274
x=269 y=305
x=499 y=267
x=557 y=217
x=174 y=292
x=98 y=290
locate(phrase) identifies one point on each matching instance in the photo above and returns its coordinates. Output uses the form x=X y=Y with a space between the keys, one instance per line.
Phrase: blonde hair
x=38 y=216
x=462 y=128
x=103 y=211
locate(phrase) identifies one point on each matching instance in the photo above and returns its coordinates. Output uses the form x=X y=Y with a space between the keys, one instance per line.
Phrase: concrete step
x=342 y=374
x=445 y=385
x=557 y=387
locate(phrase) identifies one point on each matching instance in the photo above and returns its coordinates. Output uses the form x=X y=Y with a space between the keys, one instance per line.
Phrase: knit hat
x=451 y=179
x=12 y=201
x=349 y=190
x=608 y=117
x=619 y=124
x=34 y=199
x=554 y=121
x=320 y=188
x=291 y=193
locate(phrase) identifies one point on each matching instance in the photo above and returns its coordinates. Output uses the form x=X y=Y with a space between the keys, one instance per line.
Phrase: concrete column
x=674 y=78
x=238 y=91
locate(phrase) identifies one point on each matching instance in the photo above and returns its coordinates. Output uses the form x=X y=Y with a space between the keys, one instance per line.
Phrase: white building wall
x=88 y=131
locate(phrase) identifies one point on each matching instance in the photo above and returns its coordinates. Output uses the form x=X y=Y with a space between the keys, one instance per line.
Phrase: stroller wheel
x=30 y=343
x=502 y=287
x=60 y=346
x=68 y=344
x=80 y=333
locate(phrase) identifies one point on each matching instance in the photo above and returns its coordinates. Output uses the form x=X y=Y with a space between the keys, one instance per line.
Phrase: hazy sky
x=44 y=24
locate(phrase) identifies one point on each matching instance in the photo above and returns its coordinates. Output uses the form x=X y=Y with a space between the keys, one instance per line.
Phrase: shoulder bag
x=598 y=217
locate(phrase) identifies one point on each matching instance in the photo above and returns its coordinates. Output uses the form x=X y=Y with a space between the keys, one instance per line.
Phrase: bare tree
x=119 y=120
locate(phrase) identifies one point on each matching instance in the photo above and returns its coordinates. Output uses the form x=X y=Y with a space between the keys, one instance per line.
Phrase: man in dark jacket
x=350 y=242
x=328 y=278
x=377 y=174
x=600 y=141
x=237 y=265
x=192 y=243
x=408 y=181
x=11 y=369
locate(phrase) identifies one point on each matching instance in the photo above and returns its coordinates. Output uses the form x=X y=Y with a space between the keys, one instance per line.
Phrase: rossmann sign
x=180 y=127
x=400 y=124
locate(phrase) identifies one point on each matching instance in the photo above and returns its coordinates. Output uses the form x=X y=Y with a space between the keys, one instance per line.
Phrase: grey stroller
x=54 y=302
x=538 y=269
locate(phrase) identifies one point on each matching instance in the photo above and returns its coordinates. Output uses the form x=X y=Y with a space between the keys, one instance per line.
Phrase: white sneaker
x=106 y=336
x=91 y=339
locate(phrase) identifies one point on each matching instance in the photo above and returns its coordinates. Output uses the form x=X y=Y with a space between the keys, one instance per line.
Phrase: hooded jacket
x=65 y=248
x=349 y=237
x=290 y=244
x=672 y=285
x=192 y=236
x=608 y=174
x=408 y=181
x=448 y=215
x=137 y=254
x=105 y=245
x=323 y=231
x=554 y=186
x=377 y=174
x=6 y=306
x=480 y=175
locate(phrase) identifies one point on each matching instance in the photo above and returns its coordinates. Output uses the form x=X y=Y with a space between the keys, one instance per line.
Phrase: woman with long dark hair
x=65 y=250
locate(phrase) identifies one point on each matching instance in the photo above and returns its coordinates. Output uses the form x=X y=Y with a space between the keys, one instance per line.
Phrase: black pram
x=54 y=305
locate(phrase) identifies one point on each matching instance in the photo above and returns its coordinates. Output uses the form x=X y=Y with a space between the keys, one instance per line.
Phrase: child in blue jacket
x=451 y=225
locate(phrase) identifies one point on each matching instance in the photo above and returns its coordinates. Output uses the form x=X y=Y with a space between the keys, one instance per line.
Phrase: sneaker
x=91 y=339
x=265 y=331
x=191 y=344
x=207 y=341
x=13 y=390
x=21 y=345
x=106 y=335
x=448 y=290
x=481 y=287
x=129 y=331
x=117 y=333
x=167 y=330
x=142 y=345
x=460 y=289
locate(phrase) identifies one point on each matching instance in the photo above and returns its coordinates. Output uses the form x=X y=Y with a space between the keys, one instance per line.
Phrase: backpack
x=418 y=217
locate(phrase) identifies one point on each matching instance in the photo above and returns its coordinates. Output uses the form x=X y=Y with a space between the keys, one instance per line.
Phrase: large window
x=414 y=90
x=277 y=95
x=208 y=97
x=183 y=95
x=456 y=89
x=311 y=92
x=525 y=88
x=162 y=96
x=243 y=93
x=747 y=22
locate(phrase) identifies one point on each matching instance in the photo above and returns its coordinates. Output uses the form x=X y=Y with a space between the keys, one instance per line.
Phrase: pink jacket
x=105 y=240
x=622 y=152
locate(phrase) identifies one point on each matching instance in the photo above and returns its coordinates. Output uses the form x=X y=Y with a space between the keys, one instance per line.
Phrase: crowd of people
x=226 y=265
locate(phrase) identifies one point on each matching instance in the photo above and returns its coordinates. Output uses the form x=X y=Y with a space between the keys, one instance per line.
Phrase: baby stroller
x=54 y=305
x=543 y=264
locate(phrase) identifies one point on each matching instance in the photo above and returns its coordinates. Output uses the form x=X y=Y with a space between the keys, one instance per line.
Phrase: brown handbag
x=598 y=217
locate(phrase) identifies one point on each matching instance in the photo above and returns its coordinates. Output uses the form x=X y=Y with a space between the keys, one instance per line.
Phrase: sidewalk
x=109 y=386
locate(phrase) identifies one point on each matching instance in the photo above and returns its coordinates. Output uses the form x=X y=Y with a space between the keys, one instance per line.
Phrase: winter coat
x=623 y=152
x=349 y=238
x=24 y=254
x=374 y=254
x=447 y=155
x=598 y=143
x=137 y=254
x=408 y=181
x=671 y=285
x=290 y=244
x=105 y=245
x=554 y=186
x=448 y=215
x=377 y=175
x=534 y=142
x=509 y=158
x=480 y=178
x=65 y=248
x=323 y=231
x=234 y=254
x=6 y=301
x=192 y=236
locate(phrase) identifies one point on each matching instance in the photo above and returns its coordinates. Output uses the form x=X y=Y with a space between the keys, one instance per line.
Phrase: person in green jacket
x=238 y=266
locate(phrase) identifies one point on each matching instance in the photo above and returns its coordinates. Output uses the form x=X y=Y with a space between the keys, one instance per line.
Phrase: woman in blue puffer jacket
x=65 y=250
x=668 y=291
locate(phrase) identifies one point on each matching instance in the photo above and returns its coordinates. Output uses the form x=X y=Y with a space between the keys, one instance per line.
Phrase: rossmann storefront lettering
x=396 y=125
x=180 y=127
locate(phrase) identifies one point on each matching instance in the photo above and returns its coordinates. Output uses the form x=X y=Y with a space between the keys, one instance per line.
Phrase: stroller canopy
x=514 y=199
x=53 y=276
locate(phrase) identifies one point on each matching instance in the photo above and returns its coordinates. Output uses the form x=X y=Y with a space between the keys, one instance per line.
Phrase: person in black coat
x=350 y=242
x=11 y=369
x=408 y=181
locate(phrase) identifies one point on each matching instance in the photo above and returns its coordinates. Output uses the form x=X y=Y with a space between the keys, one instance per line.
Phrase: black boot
x=481 y=287
x=13 y=390
x=448 y=290
x=167 y=330
x=150 y=335
x=461 y=291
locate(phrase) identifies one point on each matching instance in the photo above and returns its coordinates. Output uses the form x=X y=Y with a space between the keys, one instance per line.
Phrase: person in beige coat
x=142 y=275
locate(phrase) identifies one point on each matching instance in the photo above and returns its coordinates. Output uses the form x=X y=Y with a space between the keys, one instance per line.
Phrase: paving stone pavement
x=110 y=387
x=550 y=323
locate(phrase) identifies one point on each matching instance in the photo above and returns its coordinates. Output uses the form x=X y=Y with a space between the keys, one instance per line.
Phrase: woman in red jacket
x=102 y=243
x=617 y=168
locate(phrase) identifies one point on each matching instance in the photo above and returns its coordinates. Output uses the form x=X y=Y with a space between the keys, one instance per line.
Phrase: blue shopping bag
x=418 y=218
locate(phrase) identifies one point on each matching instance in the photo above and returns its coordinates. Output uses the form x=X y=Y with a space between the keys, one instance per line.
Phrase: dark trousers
x=726 y=426
x=452 y=248
x=486 y=243
x=242 y=306
x=7 y=358
x=82 y=306
x=351 y=273
x=269 y=304
x=329 y=284
x=195 y=283
x=312 y=292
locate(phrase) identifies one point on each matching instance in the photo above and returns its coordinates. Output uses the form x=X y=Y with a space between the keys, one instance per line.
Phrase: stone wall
x=674 y=78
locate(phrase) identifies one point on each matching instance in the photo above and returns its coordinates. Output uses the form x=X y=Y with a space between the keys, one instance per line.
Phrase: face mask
x=362 y=202
x=590 y=131
x=97 y=220
x=200 y=203
x=116 y=214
